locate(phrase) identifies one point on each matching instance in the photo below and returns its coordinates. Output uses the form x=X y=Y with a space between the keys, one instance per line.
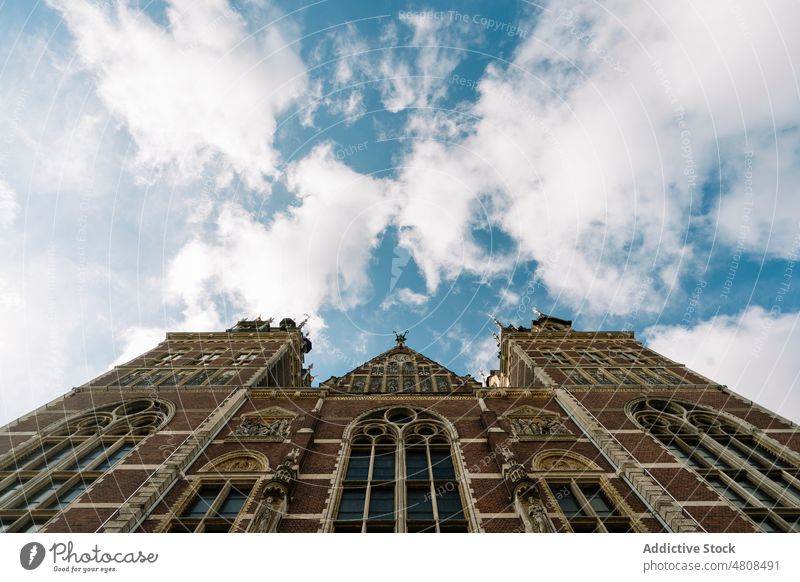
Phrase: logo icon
x=31 y=555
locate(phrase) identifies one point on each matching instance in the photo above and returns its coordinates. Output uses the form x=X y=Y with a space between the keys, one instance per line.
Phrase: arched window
x=399 y=475
x=219 y=497
x=41 y=478
x=755 y=475
x=580 y=495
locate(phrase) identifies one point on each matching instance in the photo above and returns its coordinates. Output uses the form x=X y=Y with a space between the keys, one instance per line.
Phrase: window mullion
x=765 y=483
x=401 y=495
x=687 y=449
x=722 y=452
x=216 y=505
x=434 y=504
x=368 y=489
x=781 y=521
x=582 y=501
x=751 y=498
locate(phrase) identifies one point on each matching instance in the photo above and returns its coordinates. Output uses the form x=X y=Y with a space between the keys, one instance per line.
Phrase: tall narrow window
x=368 y=487
x=746 y=471
x=375 y=495
x=42 y=478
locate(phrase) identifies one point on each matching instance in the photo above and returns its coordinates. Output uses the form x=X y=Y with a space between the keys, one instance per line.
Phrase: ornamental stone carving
x=276 y=495
x=513 y=472
x=562 y=460
x=238 y=462
x=537 y=519
x=266 y=429
x=272 y=424
x=532 y=423
x=269 y=514
x=238 y=466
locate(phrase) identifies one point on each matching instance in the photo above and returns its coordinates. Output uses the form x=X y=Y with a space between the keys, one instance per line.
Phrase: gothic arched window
x=42 y=477
x=399 y=475
x=756 y=475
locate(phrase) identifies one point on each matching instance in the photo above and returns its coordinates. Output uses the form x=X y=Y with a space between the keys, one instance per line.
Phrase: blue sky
x=383 y=166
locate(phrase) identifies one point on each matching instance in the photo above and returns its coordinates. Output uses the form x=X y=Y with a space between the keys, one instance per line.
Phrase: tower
x=575 y=431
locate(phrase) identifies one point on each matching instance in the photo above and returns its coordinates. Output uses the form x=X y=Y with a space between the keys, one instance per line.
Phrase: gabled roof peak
x=401 y=369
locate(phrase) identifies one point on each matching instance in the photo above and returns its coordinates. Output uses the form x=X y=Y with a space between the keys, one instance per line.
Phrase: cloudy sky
x=383 y=166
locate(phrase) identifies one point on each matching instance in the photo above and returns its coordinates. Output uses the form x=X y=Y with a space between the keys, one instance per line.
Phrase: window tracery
x=42 y=477
x=758 y=477
x=400 y=473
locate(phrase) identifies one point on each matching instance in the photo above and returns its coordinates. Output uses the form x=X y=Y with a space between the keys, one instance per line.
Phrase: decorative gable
x=401 y=370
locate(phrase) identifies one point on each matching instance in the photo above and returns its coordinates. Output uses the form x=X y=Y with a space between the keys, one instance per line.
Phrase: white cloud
x=760 y=213
x=479 y=351
x=439 y=192
x=410 y=297
x=482 y=357
x=8 y=206
x=404 y=296
x=593 y=143
x=423 y=80
x=311 y=255
x=202 y=92
x=509 y=298
x=56 y=135
x=588 y=149
x=410 y=68
x=754 y=353
x=40 y=340
x=137 y=340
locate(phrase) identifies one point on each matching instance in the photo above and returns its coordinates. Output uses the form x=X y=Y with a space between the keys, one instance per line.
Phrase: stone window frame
x=642 y=376
x=128 y=377
x=660 y=376
x=580 y=471
x=106 y=428
x=711 y=443
x=594 y=357
x=210 y=356
x=199 y=372
x=400 y=434
x=230 y=372
x=177 y=377
x=220 y=471
x=175 y=522
x=622 y=522
x=555 y=357
x=632 y=356
x=600 y=372
x=244 y=357
x=168 y=358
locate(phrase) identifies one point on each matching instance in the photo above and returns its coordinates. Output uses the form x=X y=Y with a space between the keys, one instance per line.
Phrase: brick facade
x=559 y=413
